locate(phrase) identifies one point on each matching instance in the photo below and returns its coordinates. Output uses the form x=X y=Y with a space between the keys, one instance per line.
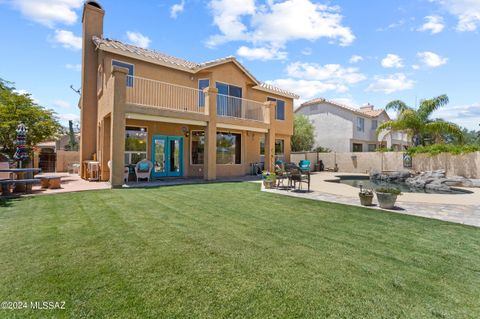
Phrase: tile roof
x=364 y=112
x=168 y=60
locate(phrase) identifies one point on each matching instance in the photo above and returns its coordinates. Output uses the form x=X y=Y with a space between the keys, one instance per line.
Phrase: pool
x=356 y=181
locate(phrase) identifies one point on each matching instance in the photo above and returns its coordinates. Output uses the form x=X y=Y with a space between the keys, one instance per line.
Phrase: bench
x=52 y=182
x=6 y=184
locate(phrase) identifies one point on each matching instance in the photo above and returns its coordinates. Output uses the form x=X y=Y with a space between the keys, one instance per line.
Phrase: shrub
x=390 y=190
x=436 y=149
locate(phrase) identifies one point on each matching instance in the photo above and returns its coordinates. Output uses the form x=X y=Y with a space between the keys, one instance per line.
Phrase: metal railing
x=231 y=106
x=147 y=92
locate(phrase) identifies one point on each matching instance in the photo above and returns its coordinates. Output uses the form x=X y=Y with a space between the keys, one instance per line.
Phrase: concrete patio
x=456 y=208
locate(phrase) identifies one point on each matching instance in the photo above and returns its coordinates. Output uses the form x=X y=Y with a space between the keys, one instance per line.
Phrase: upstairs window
x=279 y=109
x=229 y=101
x=360 y=124
x=128 y=66
x=202 y=84
x=374 y=125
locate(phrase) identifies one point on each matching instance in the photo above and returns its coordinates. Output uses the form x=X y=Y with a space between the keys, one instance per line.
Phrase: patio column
x=270 y=138
x=117 y=126
x=210 y=159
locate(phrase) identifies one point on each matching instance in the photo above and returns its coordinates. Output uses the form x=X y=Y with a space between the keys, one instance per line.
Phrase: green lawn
x=229 y=250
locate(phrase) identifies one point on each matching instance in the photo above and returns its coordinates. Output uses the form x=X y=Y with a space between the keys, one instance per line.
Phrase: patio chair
x=143 y=169
x=297 y=176
x=304 y=165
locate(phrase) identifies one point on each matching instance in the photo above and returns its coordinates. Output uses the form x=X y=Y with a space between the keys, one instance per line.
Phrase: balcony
x=162 y=95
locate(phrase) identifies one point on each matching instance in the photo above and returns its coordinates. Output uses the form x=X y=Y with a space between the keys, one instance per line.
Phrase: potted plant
x=387 y=196
x=366 y=196
x=269 y=179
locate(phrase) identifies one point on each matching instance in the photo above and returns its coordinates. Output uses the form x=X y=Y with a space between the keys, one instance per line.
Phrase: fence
x=467 y=165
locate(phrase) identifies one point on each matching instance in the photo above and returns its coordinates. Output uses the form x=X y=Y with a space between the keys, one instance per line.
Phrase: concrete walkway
x=456 y=208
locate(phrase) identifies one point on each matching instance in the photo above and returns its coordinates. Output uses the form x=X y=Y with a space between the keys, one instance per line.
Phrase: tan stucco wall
x=250 y=147
x=467 y=165
x=65 y=159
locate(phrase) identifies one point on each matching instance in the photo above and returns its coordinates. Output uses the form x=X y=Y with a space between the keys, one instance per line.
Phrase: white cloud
x=176 y=9
x=431 y=60
x=263 y=54
x=276 y=22
x=310 y=79
x=138 y=39
x=393 y=25
x=355 y=59
x=392 y=61
x=390 y=84
x=415 y=66
x=434 y=24
x=62 y=104
x=69 y=117
x=467 y=12
x=465 y=115
x=49 y=12
x=74 y=67
x=67 y=39
x=332 y=73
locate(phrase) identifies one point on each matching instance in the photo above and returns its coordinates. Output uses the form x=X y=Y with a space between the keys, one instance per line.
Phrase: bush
x=390 y=190
x=436 y=149
x=321 y=149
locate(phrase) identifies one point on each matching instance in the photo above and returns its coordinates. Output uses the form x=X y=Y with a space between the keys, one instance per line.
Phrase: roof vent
x=367 y=106
x=95 y=4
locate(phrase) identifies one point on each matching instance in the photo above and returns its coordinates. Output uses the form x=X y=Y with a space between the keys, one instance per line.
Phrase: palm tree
x=418 y=125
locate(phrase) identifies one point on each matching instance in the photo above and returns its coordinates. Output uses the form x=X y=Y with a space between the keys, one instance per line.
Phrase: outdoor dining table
x=20 y=173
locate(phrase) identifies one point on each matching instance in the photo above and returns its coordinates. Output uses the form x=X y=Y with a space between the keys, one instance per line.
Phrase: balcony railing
x=146 y=92
x=152 y=93
x=231 y=106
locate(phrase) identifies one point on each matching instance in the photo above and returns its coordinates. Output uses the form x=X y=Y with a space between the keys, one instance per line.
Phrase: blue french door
x=167 y=156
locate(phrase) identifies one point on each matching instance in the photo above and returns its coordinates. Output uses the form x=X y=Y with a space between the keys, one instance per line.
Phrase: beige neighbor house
x=346 y=129
x=209 y=120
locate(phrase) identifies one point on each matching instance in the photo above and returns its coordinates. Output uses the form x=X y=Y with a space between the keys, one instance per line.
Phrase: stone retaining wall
x=467 y=165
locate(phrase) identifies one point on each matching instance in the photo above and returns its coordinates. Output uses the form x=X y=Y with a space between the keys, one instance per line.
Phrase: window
x=198 y=147
x=229 y=148
x=357 y=147
x=135 y=144
x=372 y=147
x=280 y=108
x=374 y=125
x=279 y=150
x=202 y=84
x=360 y=124
x=229 y=101
x=128 y=66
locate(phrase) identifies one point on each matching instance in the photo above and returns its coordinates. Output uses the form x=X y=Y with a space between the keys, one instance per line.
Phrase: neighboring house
x=347 y=129
x=194 y=120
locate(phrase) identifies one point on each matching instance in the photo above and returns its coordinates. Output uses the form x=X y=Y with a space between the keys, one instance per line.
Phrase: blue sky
x=348 y=51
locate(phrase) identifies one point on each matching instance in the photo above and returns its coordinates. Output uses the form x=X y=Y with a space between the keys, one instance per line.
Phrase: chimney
x=367 y=107
x=92 y=21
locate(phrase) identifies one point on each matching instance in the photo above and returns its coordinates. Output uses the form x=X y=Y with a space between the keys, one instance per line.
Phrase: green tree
x=303 y=134
x=417 y=122
x=16 y=108
x=72 y=142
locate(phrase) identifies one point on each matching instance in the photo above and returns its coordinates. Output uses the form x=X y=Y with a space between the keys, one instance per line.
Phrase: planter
x=269 y=183
x=386 y=200
x=366 y=200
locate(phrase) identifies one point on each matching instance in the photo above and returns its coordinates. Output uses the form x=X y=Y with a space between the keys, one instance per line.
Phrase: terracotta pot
x=366 y=200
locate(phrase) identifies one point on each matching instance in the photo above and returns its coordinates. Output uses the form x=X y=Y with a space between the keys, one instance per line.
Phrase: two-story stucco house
x=346 y=129
x=209 y=120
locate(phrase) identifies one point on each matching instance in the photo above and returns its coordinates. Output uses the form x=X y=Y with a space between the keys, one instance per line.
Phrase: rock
x=474 y=183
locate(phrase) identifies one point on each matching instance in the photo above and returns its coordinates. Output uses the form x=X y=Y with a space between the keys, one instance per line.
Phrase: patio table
x=20 y=174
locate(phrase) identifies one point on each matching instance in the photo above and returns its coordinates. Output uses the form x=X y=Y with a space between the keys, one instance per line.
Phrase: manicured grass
x=228 y=250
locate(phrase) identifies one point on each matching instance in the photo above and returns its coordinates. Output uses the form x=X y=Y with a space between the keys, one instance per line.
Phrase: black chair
x=297 y=176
